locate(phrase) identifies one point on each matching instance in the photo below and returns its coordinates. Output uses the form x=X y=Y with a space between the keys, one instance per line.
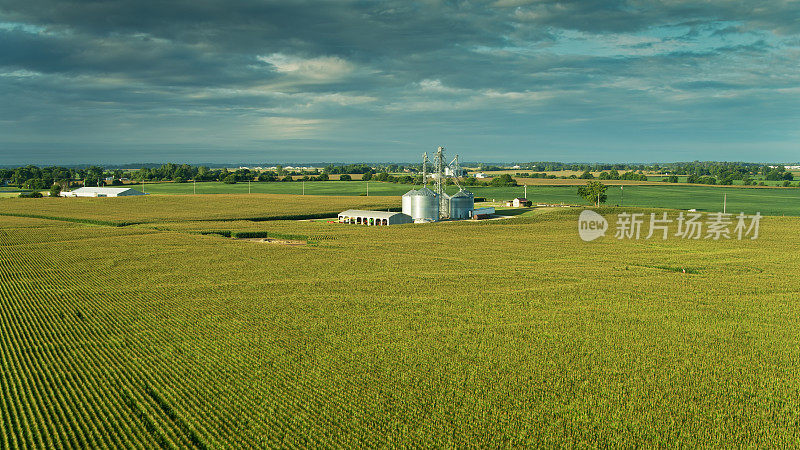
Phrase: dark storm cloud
x=272 y=71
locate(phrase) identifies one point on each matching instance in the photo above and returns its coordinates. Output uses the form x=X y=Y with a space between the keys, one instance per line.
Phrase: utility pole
x=248 y=186
x=724 y=203
x=526 y=191
x=304 y=187
x=367 y=188
x=622 y=190
x=143 y=192
x=194 y=187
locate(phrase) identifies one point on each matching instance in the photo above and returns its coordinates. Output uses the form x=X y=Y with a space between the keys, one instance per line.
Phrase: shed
x=519 y=201
x=483 y=213
x=101 y=192
x=363 y=217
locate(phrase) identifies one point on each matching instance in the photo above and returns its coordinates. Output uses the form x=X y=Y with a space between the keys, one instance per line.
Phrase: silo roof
x=425 y=192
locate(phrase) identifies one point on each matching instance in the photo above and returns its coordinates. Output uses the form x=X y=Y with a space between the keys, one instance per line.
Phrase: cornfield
x=498 y=333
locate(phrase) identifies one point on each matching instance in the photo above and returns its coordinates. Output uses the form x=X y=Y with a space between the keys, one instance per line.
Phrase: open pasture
x=768 y=201
x=494 y=333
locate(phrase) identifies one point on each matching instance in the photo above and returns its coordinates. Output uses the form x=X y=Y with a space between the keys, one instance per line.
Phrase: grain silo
x=462 y=203
x=407 y=201
x=424 y=205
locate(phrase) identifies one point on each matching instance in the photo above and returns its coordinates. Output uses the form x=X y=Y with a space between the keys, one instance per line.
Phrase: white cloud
x=281 y=127
x=325 y=68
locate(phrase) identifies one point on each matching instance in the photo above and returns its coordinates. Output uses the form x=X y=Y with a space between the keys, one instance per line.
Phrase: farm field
x=768 y=201
x=419 y=335
x=144 y=209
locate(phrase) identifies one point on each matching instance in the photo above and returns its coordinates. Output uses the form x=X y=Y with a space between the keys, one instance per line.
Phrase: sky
x=126 y=81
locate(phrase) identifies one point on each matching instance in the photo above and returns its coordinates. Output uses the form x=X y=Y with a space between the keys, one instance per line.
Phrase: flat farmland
x=154 y=208
x=496 y=333
x=767 y=200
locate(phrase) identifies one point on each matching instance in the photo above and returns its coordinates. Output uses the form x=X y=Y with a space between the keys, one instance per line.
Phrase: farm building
x=101 y=192
x=519 y=201
x=362 y=217
x=482 y=213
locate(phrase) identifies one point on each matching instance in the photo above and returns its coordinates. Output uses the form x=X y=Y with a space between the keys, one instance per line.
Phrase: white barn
x=101 y=192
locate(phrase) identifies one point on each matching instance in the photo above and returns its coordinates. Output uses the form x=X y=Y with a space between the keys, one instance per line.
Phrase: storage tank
x=424 y=206
x=407 y=201
x=462 y=203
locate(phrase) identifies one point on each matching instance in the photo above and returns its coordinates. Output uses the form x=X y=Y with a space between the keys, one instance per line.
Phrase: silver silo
x=462 y=203
x=407 y=201
x=424 y=206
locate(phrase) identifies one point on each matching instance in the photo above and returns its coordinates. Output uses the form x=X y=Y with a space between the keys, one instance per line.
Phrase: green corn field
x=500 y=333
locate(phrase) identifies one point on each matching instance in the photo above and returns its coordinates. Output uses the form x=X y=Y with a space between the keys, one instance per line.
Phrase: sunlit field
x=508 y=332
x=772 y=201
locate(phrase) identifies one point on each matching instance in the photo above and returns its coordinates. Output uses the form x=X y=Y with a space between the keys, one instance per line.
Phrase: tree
x=55 y=190
x=367 y=176
x=266 y=176
x=345 y=177
x=230 y=179
x=594 y=191
x=586 y=175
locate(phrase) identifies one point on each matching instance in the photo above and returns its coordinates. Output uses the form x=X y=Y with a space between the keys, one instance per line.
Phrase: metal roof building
x=362 y=217
x=101 y=192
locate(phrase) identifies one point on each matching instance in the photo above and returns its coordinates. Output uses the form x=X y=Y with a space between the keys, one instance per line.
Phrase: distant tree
x=586 y=175
x=179 y=180
x=287 y=178
x=323 y=177
x=230 y=179
x=503 y=180
x=787 y=183
x=345 y=177
x=672 y=179
x=55 y=190
x=594 y=191
x=367 y=176
x=266 y=176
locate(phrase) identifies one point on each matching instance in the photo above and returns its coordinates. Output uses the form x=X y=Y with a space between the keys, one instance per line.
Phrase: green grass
x=491 y=334
x=768 y=201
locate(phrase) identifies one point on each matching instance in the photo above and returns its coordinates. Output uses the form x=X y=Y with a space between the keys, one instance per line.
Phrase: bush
x=34 y=194
x=248 y=234
x=225 y=233
x=55 y=190
x=180 y=180
x=345 y=177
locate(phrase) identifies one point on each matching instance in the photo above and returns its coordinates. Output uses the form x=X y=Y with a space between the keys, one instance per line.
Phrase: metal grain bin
x=424 y=206
x=407 y=201
x=462 y=203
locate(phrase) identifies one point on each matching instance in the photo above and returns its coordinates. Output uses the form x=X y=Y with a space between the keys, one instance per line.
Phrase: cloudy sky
x=508 y=80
